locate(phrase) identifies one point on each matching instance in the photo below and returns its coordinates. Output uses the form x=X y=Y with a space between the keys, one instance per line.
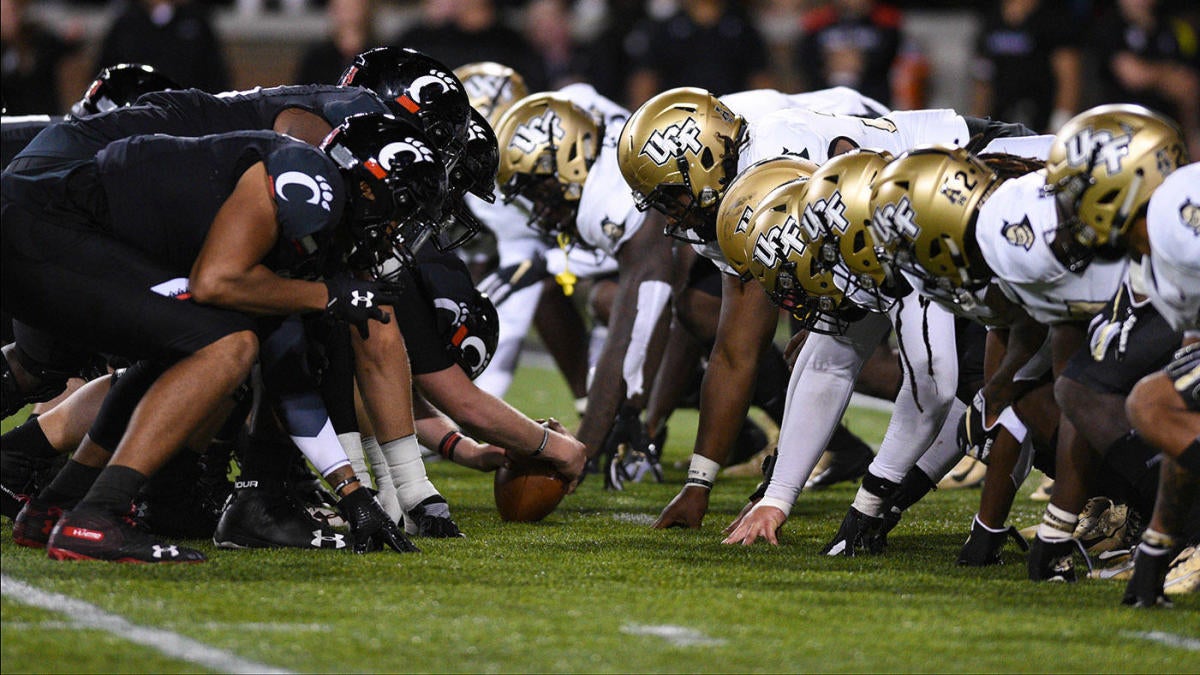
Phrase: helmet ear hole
x=706 y=158
x=1108 y=197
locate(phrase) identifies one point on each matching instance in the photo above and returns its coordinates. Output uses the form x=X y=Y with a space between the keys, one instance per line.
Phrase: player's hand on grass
x=370 y=527
x=738 y=520
x=687 y=509
x=762 y=521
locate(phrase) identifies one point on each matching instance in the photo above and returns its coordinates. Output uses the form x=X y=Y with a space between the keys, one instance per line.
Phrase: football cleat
x=431 y=518
x=370 y=527
x=1184 y=575
x=983 y=546
x=23 y=477
x=1052 y=560
x=968 y=473
x=1044 y=490
x=1120 y=566
x=84 y=534
x=258 y=518
x=1105 y=526
x=1145 y=588
x=859 y=533
x=35 y=522
x=846 y=463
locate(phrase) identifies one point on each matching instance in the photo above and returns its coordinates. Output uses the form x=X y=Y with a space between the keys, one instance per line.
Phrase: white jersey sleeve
x=1030 y=147
x=613 y=115
x=506 y=221
x=607 y=216
x=838 y=100
x=1172 y=270
x=1013 y=230
x=922 y=127
x=756 y=104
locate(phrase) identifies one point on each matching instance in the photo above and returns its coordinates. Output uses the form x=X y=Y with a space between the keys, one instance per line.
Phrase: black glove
x=508 y=280
x=357 y=302
x=626 y=444
x=982 y=548
x=973 y=437
x=370 y=527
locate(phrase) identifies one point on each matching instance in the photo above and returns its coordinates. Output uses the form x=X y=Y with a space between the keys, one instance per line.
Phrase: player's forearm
x=1024 y=340
x=258 y=291
x=385 y=381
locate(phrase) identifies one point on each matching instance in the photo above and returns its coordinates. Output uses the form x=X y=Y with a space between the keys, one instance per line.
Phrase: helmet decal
x=320 y=192
x=895 y=218
x=537 y=130
x=406 y=152
x=676 y=140
x=1092 y=147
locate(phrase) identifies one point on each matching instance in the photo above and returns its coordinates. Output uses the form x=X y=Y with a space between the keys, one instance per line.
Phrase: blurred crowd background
x=1031 y=61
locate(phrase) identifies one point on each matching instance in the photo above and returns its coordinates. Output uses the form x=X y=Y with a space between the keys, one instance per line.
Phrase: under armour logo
x=362 y=298
x=320 y=539
x=895 y=220
x=319 y=191
x=1091 y=147
x=404 y=153
x=537 y=131
x=676 y=140
x=169 y=551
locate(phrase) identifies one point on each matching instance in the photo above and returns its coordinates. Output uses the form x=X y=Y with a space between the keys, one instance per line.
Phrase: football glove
x=626 y=443
x=502 y=283
x=982 y=548
x=974 y=437
x=370 y=527
x=357 y=302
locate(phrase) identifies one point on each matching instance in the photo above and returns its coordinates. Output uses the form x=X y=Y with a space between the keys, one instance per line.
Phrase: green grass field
x=593 y=589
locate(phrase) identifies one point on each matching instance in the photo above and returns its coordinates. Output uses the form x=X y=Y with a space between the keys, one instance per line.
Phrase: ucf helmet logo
x=1093 y=147
x=1019 y=233
x=892 y=221
x=677 y=140
x=777 y=243
x=486 y=87
x=536 y=131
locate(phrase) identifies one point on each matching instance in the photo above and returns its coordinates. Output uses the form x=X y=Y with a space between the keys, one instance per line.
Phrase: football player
x=222 y=254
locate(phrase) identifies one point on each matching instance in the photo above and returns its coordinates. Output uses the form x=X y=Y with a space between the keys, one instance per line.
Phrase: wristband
x=338 y=488
x=448 y=443
x=702 y=471
x=781 y=504
x=545 y=439
x=1009 y=420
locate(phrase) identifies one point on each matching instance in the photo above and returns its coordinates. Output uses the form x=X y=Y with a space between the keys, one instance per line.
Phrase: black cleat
x=1145 y=588
x=850 y=458
x=258 y=518
x=1053 y=560
x=21 y=477
x=35 y=522
x=859 y=533
x=431 y=518
x=84 y=534
x=983 y=546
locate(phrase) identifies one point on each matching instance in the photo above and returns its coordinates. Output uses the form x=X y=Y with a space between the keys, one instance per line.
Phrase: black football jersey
x=18 y=131
x=164 y=192
x=258 y=108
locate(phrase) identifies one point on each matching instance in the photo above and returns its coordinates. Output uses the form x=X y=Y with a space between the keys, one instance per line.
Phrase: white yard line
x=635 y=518
x=85 y=616
x=1168 y=639
x=680 y=636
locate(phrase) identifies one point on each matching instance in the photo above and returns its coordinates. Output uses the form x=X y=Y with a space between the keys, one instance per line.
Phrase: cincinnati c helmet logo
x=319 y=191
x=431 y=85
x=536 y=131
x=676 y=140
x=404 y=153
x=1093 y=147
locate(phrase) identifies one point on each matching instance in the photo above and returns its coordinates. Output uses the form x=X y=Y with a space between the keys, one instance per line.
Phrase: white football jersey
x=506 y=221
x=610 y=113
x=1013 y=230
x=755 y=104
x=1031 y=147
x=814 y=135
x=608 y=215
x=1172 y=271
x=973 y=308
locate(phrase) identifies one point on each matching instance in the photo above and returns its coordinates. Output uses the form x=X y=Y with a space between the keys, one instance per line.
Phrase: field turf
x=592 y=589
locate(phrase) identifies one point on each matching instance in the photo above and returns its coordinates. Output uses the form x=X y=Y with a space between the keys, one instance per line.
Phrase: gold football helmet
x=923 y=210
x=547 y=146
x=1103 y=166
x=786 y=258
x=491 y=88
x=743 y=197
x=679 y=153
x=840 y=199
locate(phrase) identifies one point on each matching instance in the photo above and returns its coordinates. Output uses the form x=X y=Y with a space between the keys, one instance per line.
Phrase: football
x=528 y=492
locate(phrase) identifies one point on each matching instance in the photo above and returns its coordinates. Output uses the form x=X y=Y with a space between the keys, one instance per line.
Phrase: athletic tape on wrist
x=1009 y=420
x=702 y=471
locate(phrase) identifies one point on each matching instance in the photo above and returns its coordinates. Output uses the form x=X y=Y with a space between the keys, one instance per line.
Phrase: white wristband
x=1009 y=420
x=702 y=471
x=781 y=504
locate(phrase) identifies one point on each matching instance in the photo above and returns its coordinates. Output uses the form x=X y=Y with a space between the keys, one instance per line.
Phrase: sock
x=265 y=464
x=114 y=490
x=383 y=479
x=403 y=457
x=353 y=444
x=1136 y=461
x=70 y=484
x=30 y=441
x=914 y=487
x=1057 y=524
x=872 y=494
x=1156 y=543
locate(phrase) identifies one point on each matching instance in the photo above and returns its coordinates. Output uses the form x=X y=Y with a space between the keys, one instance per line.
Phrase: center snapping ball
x=529 y=491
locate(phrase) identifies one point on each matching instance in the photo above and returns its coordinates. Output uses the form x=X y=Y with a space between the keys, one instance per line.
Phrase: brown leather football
x=528 y=492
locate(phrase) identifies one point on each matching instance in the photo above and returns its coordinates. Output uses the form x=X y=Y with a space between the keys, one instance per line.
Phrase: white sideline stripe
x=635 y=518
x=680 y=636
x=1168 y=639
x=85 y=616
x=207 y=625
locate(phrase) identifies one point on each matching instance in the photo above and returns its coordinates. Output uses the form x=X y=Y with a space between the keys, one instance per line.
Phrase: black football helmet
x=119 y=86
x=397 y=187
x=466 y=318
x=475 y=170
x=411 y=81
